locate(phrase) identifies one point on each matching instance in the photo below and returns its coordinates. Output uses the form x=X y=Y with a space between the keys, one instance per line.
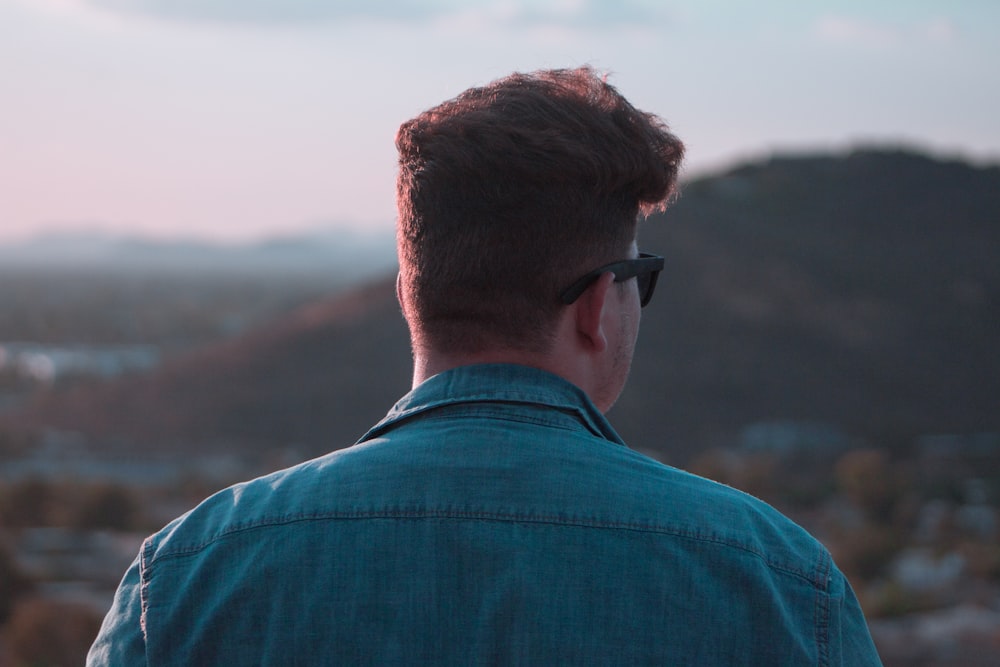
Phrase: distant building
x=47 y=363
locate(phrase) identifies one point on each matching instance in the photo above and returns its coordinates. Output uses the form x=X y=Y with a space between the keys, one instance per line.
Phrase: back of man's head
x=509 y=192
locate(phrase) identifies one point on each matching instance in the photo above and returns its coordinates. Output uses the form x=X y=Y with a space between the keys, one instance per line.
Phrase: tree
x=13 y=583
x=50 y=633
x=106 y=505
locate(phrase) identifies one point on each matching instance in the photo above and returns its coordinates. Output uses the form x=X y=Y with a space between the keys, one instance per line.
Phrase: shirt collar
x=507 y=383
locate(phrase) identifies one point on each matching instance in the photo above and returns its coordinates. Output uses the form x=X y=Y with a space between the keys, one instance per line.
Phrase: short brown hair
x=509 y=192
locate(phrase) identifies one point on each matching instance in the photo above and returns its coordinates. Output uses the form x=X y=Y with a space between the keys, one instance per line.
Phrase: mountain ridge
x=859 y=291
x=347 y=250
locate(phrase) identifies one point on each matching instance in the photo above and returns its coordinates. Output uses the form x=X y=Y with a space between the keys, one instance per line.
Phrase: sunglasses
x=645 y=269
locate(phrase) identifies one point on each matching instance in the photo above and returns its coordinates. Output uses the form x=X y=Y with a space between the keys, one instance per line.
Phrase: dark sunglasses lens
x=646 y=282
x=643 y=281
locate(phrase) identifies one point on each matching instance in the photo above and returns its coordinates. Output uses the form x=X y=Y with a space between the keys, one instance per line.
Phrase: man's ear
x=590 y=313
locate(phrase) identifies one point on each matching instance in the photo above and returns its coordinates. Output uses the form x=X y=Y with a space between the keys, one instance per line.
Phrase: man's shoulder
x=574 y=479
x=276 y=498
x=680 y=503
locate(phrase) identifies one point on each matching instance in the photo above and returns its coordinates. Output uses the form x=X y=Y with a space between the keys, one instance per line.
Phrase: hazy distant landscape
x=824 y=336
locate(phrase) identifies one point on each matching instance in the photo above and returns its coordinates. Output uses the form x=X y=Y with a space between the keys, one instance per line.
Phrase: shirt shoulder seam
x=817 y=577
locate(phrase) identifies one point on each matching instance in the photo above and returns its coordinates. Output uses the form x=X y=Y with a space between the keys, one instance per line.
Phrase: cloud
x=517 y=13
x=940 y=30
x=267 y=11
x=75 y=10
x=850 y=30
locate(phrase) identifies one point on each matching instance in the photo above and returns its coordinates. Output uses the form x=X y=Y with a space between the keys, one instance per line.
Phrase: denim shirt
x=493 y=517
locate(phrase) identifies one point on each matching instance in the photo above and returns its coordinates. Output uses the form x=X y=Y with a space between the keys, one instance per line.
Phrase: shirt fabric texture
x=493 y=517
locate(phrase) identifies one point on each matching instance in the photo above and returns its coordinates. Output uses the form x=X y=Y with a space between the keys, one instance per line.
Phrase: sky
x=241 y=120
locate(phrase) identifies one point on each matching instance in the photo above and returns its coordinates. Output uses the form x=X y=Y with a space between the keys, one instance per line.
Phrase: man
x=494 y=516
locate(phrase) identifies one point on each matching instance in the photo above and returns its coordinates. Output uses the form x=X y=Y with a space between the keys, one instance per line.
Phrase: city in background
x=824 y=337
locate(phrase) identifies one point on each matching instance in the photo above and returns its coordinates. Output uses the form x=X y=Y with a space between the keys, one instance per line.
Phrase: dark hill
x=859 y=291
x=862 y=291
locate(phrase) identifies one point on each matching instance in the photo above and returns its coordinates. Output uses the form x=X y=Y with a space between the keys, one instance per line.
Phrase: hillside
x=861 y=291
x=858 y=291
x=335 y=366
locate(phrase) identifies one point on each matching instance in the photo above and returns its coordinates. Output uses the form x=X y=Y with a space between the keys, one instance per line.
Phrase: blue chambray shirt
x=493 y=517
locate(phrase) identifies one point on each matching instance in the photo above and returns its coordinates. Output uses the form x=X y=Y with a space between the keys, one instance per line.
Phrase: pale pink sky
x=229 y=120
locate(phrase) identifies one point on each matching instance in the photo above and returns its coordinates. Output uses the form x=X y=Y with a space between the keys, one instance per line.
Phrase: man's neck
x=579 y=352
x=426 y=365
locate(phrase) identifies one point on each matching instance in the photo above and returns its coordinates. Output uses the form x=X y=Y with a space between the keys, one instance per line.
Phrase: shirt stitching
x=814 y=578
x=822 y=612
